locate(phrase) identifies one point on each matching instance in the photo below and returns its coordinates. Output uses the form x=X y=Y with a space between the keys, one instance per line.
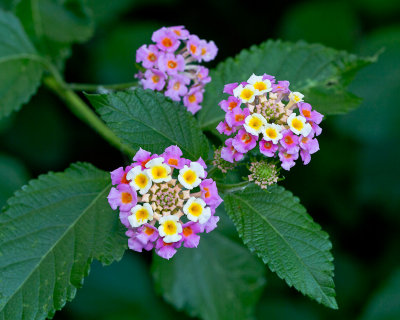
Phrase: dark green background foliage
x=351 y=187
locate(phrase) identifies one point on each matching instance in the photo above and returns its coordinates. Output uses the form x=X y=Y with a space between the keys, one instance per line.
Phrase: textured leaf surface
x=147 y=119
x=277 y=227
x=218 y=280
x=316 y=71
x=54 y=25
x=49 y=233
x=21 y=69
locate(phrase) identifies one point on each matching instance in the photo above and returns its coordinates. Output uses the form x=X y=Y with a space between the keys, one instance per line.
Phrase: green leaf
x=311 y=69
x=21 y=67
x=218 y=280
x=147 y=119
x=54 y=25
x=50 y=232
x=384 y=305
x=277 y=227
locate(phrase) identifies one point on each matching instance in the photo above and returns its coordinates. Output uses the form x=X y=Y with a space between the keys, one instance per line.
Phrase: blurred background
x=351 y=188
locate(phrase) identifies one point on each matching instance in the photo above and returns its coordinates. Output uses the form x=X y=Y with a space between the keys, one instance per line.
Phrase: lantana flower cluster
x=171 y=67
x=273 y=117
x=165 y=201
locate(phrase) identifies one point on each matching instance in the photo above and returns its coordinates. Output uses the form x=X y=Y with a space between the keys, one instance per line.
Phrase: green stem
x=83 y=112
x=228 y=188
x=99 y=87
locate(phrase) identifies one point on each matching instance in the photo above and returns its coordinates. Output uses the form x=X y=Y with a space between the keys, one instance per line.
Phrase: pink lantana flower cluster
x=273 y=117
x=165 y=201
x=170 y=65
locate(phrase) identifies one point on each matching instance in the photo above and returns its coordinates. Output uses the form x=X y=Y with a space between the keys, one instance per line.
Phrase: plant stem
x=228 y=188
x=83 y=112
x=99 y=87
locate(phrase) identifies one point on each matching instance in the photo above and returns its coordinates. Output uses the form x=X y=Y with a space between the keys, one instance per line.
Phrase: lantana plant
x=183 y=178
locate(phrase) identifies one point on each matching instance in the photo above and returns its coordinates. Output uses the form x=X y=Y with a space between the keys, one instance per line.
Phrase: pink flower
x=142 y=157
x=244 y=141
x=171 y=64
x=202 y=75
x=148 y=56
x=224 y=128
x=230 y=104
x=281 y=87
x=194 y=46
x=180 y=32
x=228 y=88
x=310 y=115
x=177 y=87
x=172 y=156
x=209 y=193
x=267 y=148
x=193 y=99
x=316 y=129
x=189 y=234
x=123 y=217
x=166 y=39
x=167 y=250
x=236 y=116
x=288 y=159
x=268 y=77
x=309 y=144
x=290 y=141
x=153 y=79
x=208 y=51
x=211 y=224
x=142 y=238
x=123 y=197
x=118 y=176
x=229 y=153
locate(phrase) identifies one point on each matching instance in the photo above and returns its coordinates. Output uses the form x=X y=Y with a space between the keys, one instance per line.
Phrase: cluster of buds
x=173 y=208
x=268 y=118
x=263 y=173
x=170 y=65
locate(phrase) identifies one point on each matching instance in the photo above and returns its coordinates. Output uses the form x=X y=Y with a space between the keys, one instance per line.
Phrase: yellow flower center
x=177 y=85
x=297 y=124
x=192 y=98
x=141 y=180
x=142 y=214
x=166 y=42
x=126 y=197
x=271 y=133
x=195 y=209
x=260 y=86
x=246 y=94
x=159 y=172
x=170 y=228
x=255 y=123
x=190 y=176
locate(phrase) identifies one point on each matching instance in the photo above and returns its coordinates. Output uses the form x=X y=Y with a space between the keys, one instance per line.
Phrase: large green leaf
x=50 y=232
x=147 y=119
x=218 y=280
x=54 y=25
x=317 y=71
x=277 y=227
x=21 y=67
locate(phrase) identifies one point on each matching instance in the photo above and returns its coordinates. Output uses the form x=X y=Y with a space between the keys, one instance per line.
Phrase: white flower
x=298 y=125
x=158 y=171
x=189 y=177
x=254 y=123
x=170 y=228
x=272 y=132
x=196 y=210
x=259 y=85
x=296 y=97
x=140 y=215
x=139 y=179
x=246 y=94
